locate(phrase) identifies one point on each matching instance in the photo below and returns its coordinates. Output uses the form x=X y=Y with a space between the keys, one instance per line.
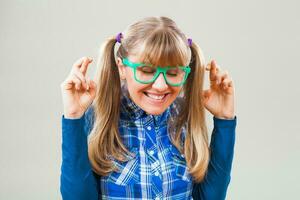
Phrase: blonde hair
x=155 y=40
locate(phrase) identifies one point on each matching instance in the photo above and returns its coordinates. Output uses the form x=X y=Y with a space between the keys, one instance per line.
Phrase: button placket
x=152 y=151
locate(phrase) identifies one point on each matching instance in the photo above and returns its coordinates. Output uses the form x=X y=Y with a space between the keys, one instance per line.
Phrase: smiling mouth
x=156 y=97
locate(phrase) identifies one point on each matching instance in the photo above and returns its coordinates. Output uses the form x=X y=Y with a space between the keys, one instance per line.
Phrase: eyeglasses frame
x=159 y=70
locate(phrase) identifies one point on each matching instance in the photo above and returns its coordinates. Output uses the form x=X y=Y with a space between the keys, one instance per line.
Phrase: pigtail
x=105 y=141
x=197 y=139
x=192 y=117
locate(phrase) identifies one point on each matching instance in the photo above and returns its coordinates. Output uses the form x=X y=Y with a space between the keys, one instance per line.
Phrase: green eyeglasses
x=146 y=73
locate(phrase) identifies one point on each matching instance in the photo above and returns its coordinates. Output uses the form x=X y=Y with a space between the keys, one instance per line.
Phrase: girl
x=139 y=131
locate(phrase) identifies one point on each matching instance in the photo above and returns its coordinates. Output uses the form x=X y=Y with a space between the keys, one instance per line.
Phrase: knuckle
x=85 y=59
x=76 y=80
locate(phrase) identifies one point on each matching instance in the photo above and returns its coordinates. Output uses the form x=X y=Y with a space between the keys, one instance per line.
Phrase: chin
x=154 y=111
x=155 y=106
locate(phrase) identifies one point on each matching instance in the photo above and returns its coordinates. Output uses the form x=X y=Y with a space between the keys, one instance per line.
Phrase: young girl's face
x=154 y=98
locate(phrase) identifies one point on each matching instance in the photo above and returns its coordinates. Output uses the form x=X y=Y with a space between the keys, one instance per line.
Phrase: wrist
x=72 y=116
x=225 y=117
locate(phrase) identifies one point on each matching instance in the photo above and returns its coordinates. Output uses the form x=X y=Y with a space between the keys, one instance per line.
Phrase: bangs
x=164 y=49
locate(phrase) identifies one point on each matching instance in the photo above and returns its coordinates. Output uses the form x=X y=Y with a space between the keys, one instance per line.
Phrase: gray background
x=256 y=41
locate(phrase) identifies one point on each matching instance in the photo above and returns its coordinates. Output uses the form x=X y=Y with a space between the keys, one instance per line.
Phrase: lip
x=158 y=94
x=157 y=101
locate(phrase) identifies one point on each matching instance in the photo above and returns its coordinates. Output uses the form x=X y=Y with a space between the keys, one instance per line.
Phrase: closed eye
x=173 y=72
x=147 y=69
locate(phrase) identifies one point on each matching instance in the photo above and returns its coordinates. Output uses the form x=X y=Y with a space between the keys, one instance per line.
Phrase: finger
x=208 y=66
x=224 y=76
x=72 y=81
x=219 y=79
x=92 y=88
x=88 y=80
x=225 y=82
x=228 y=84
x=82 y=83
x=79 y=62
x=81 y=77
x=213 y=74
x=93 y=84
x=220 y=76
x=76 y=81
x=84 y=66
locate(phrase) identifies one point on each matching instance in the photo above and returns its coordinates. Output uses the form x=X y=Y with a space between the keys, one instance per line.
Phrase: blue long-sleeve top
x=78 y=181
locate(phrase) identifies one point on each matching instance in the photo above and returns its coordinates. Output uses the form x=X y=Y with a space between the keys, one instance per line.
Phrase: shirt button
x=149 y=128
x=156 y=174
x=151 y=152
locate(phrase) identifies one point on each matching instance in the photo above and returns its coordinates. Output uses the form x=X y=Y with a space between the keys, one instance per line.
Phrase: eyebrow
x=140 y=63
x=145 y=63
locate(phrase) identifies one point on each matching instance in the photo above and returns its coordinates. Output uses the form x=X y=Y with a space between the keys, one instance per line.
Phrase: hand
x=78 y=91
x=219 y=98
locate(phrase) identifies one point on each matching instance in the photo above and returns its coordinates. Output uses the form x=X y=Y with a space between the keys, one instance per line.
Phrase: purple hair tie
x=190 y=42
x=118 y=38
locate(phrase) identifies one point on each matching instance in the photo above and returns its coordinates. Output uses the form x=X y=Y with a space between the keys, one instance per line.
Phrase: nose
x=160 y=83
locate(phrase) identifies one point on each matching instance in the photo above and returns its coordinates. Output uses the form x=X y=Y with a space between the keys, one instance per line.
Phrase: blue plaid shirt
x=156 y=170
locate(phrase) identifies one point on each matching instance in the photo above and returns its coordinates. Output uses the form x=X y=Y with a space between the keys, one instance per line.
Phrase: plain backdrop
x=256 y=41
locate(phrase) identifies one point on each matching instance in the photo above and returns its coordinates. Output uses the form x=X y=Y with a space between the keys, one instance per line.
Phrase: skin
x=218 y=99
x=78 y=91
x=137 y=90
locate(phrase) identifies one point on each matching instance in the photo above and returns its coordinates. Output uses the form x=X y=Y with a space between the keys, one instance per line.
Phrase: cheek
x=175 y=91
x=135 y=89
x=130 y=81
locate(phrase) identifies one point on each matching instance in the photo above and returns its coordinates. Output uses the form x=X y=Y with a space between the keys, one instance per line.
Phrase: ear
x=121 y=68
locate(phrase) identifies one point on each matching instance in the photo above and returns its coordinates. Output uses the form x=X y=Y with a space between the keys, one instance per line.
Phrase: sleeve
x=77 y=180
x=214 y=185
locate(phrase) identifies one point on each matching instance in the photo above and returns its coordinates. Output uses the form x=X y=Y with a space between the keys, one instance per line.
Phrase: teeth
x=155 y=96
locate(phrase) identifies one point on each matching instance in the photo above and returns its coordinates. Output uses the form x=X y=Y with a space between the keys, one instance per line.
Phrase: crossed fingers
x=78 y=73
x=218 y=79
